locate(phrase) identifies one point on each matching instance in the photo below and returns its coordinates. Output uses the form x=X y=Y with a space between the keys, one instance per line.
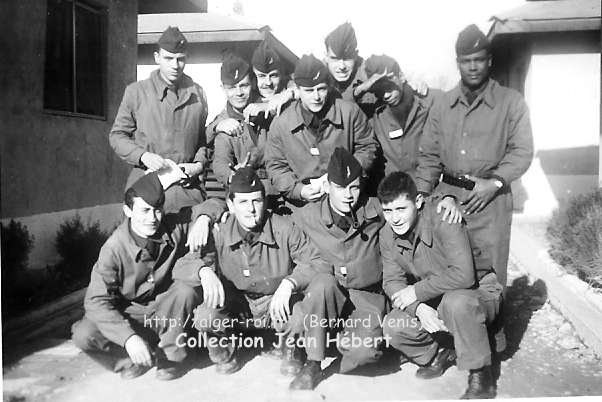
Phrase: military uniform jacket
x=399 y=144
x=128 y=277
x=294 y=154
x=353 y=257
x=491 y=138
x=233 y=149
x=439 y=260
x=281 y=251
x=148 y=121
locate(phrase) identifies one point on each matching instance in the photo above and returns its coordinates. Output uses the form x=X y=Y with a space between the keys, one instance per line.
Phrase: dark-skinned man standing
x=478 y=137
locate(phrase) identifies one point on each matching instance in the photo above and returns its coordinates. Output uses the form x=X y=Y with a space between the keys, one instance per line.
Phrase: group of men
x=360 y=215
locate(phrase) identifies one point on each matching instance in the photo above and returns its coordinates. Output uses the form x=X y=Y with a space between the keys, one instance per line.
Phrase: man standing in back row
x=478 y=135
x=163 y=118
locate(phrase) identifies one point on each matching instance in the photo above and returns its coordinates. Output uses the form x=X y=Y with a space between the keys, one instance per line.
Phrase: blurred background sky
x=420 y=35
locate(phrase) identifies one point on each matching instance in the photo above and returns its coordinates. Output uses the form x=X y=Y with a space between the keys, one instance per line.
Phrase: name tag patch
x=343 y=270
x=314 y=151
x=246 y=272
x=396 y=133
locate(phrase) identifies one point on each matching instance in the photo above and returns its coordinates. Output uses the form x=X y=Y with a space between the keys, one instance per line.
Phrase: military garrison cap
x=173 y=41
x=245 y=180
x=471 y=40
x=234 y=69
x=342 y=41
x=378 y=64
x=265 y=58
x=310 y=72
x=343 y=168
x=149 y=188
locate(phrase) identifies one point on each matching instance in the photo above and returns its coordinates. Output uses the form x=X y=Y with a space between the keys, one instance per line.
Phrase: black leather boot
x=168 y=370
x=309 y=376
x=480 y=384
x=443 y=360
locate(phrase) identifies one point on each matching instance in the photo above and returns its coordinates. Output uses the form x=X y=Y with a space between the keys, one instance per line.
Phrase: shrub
x=78 y=246
x=575 y=233
x=16 y=245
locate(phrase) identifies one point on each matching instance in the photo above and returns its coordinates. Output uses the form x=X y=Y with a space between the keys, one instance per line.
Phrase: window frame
x=102 y=12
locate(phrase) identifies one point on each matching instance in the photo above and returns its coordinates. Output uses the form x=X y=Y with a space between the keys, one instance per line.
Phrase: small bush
x=78 y=246
x=575 y=233
x=16 y=245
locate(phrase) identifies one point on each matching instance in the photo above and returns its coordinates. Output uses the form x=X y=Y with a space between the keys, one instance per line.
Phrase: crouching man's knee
x=358 y=350
x=86 y=336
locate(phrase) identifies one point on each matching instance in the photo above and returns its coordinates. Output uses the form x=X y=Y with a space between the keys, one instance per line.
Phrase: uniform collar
x=488 y=95
x=364 y=211
x=134 y=247
x=333 y=115
x=423 y=232
x=232 y=235
x=185 y=87
x=233 y=113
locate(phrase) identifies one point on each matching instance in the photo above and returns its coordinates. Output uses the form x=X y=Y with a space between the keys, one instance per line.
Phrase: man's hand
x=138 y=351
x=199 y=233
x=310 y=193
x=374 y=78
x=404 y=297
x=192 y=169
x=231 y=127
x=279 y=305
x=450 y=209
x=255 y=109
x=277 y=101
x=482 y=193
x=153 y=161
x=213 y=290
x=429 y=319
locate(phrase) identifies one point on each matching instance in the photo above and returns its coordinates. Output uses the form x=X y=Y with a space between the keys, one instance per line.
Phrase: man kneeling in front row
x=416 y=246
x=145 y=286
x=264 y=261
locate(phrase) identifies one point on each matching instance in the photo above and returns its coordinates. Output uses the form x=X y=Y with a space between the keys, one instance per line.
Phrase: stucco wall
x=49 y=162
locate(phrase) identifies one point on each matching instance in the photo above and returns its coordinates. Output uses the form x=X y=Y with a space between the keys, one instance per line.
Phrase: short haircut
x=395 y=185
x=130 y=194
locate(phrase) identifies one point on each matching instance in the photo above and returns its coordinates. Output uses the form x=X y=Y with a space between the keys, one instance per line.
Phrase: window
x=75 y=46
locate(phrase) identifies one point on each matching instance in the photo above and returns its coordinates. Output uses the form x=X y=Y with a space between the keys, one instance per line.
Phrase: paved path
x=544 y=358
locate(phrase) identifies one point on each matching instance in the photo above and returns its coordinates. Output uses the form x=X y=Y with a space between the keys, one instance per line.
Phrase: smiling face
x=268 y=84
x=171 y=65
x=339 y=68
x=343 y=198
x=248 y=208
x=401 y=213
x=474 y=68
x=144 y=218
x=239 y=94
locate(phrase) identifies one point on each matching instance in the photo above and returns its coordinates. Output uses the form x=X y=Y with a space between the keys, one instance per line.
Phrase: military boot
x=480 y=384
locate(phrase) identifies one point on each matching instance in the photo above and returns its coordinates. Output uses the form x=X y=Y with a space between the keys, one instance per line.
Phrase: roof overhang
x=548 y=16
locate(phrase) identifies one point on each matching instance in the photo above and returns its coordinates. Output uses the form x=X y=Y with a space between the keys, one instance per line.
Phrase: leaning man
x=428 y=274
x=142 y=283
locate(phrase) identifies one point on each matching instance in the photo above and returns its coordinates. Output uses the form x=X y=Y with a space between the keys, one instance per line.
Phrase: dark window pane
x=89 y=61
x=58 y=74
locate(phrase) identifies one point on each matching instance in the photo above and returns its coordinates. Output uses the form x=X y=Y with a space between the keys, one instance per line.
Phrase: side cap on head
x=343 y=167
x=471 y=40
x=265 y=58
x=342 y=41
x=149 y=188
x=234 y=69
x=310 y=72
x=245 y=180
x=173 y=40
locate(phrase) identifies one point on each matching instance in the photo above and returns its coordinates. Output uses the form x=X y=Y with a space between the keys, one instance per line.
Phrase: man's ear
x=419 y=201
x=127 y=211
x=490 y=61
x=157 y=57
x=230 y=204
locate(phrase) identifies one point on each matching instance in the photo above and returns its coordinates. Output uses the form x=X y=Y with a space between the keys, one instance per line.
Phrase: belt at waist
x=460 y=181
